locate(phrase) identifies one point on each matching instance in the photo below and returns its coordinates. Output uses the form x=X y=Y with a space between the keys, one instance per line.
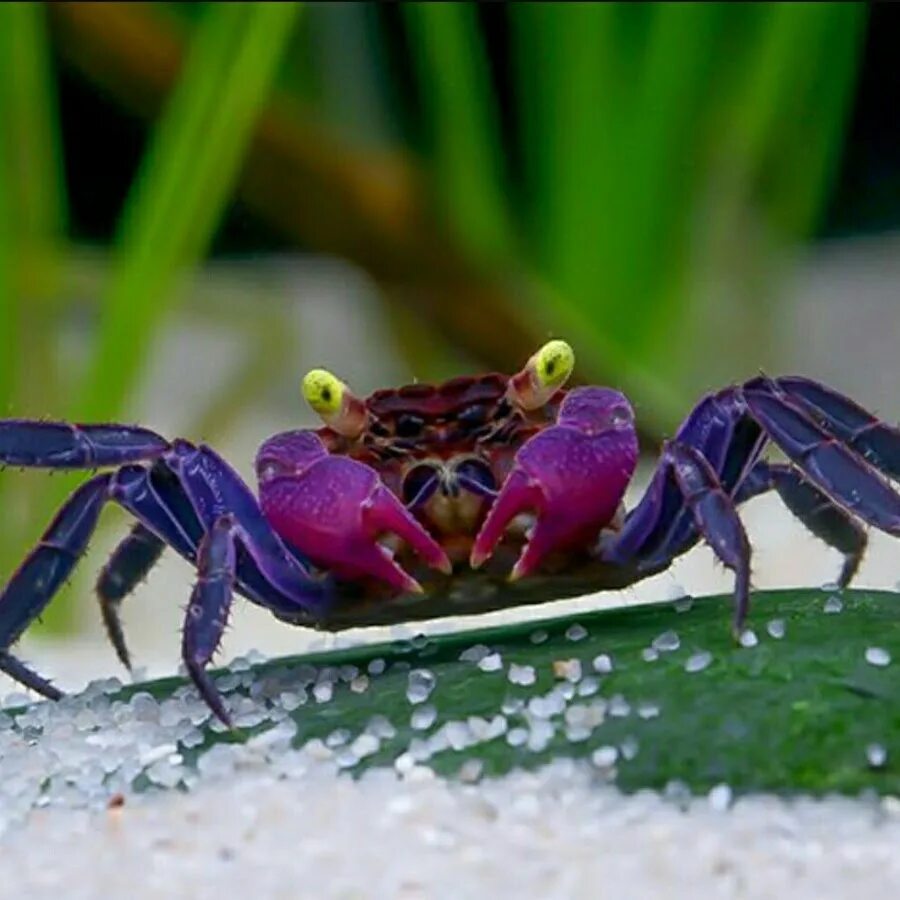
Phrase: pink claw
x=572 y=475
x=334 y=509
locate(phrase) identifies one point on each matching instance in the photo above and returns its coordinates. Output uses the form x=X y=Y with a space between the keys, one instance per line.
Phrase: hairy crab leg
x=165 y=501
x=61 y=445
x=657 y=528
x=34 y=584
x=814 y=509
x=267 y=574
x=716 y=517
x=18 y=671
x=832 y=466
x=207 y=612
x=215 y=489
x=712 y=510
x=660 y=527
x=43 y=572
x=129 y=564
x=875 y=440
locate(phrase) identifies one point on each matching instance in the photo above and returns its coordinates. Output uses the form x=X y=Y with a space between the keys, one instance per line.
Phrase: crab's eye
x=553 y=363
x=323 y=392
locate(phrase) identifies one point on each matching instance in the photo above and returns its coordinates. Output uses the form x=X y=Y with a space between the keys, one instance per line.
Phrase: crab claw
x=334 y=510
x=572 y=475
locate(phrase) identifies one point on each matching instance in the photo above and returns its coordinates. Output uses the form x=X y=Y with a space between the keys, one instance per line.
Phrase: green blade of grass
x=184 y=184
x=580 y=93
x=349 y=64
x=462 y=120
x=774 y=136
x=663 y=176
x=808 y=147
x=32 y=225
x=32 y=205
x=571 y=89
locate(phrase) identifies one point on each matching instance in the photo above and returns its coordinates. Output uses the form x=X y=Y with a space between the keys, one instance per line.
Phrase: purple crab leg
x=44 y=570
x=833 y=467
x=207 y=612
x=60 y=445
x=18 y=671
x=716 y=518
x=181 y=497
x=158 y=499
x=155 y=498
x=660 y=527
x=129 y=564
x=873 y=439
x=267 y=572
x=814 y=509
x=214 y=489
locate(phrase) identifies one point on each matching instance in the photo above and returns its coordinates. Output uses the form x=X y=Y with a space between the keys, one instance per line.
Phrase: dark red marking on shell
x=434 y=401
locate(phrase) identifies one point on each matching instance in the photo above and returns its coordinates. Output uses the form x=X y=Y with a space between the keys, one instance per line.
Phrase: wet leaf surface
x=789 y=714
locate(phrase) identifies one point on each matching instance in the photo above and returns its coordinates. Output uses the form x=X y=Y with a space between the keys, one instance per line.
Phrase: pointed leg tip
x=477 y=559
x=440 y=562
x=520 y=570
x=411 y=586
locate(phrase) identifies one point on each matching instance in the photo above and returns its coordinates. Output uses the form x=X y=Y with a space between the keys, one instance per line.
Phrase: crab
x=431 y=500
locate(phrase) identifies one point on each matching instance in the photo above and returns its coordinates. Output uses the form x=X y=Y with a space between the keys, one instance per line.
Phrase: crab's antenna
x=338 y=406
x=544 y=374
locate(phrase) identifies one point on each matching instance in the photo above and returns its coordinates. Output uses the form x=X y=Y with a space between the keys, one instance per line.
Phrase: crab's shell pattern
x=462 y=416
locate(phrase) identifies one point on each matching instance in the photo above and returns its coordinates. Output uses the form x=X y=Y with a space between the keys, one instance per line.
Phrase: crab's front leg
x=334 y=510
x=571 y=476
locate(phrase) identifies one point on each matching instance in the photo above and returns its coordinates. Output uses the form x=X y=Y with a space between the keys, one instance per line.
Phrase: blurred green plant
x=502 y=171
x=184 y=184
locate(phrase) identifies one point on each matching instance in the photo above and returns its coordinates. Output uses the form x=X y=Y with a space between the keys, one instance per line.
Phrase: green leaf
x=32 y=227
x=790 y=714
x=32 y=205
x=185 y=182
x=463 y=122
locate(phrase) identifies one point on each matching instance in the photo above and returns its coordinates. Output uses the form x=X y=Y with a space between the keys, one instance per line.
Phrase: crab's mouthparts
x=449 y=497
x=451 y=479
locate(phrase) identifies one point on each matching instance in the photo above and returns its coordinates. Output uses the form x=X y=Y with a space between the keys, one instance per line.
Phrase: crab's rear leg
x=129 y=564
x=814 y=509
x=43 y=572
x=660 y=528
x=34 y=584
x=62 y=445
x=207 y=612
x=875 y=440
x=177 y=502
x=834 y=467
x=715 y=517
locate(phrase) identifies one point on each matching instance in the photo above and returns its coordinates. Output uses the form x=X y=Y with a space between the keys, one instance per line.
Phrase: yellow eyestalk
x=553 y=364
x=323 y=391
x=338 y=406
x=544 y=374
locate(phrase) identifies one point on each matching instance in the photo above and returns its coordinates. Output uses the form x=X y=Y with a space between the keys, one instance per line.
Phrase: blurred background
x=198 y=202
